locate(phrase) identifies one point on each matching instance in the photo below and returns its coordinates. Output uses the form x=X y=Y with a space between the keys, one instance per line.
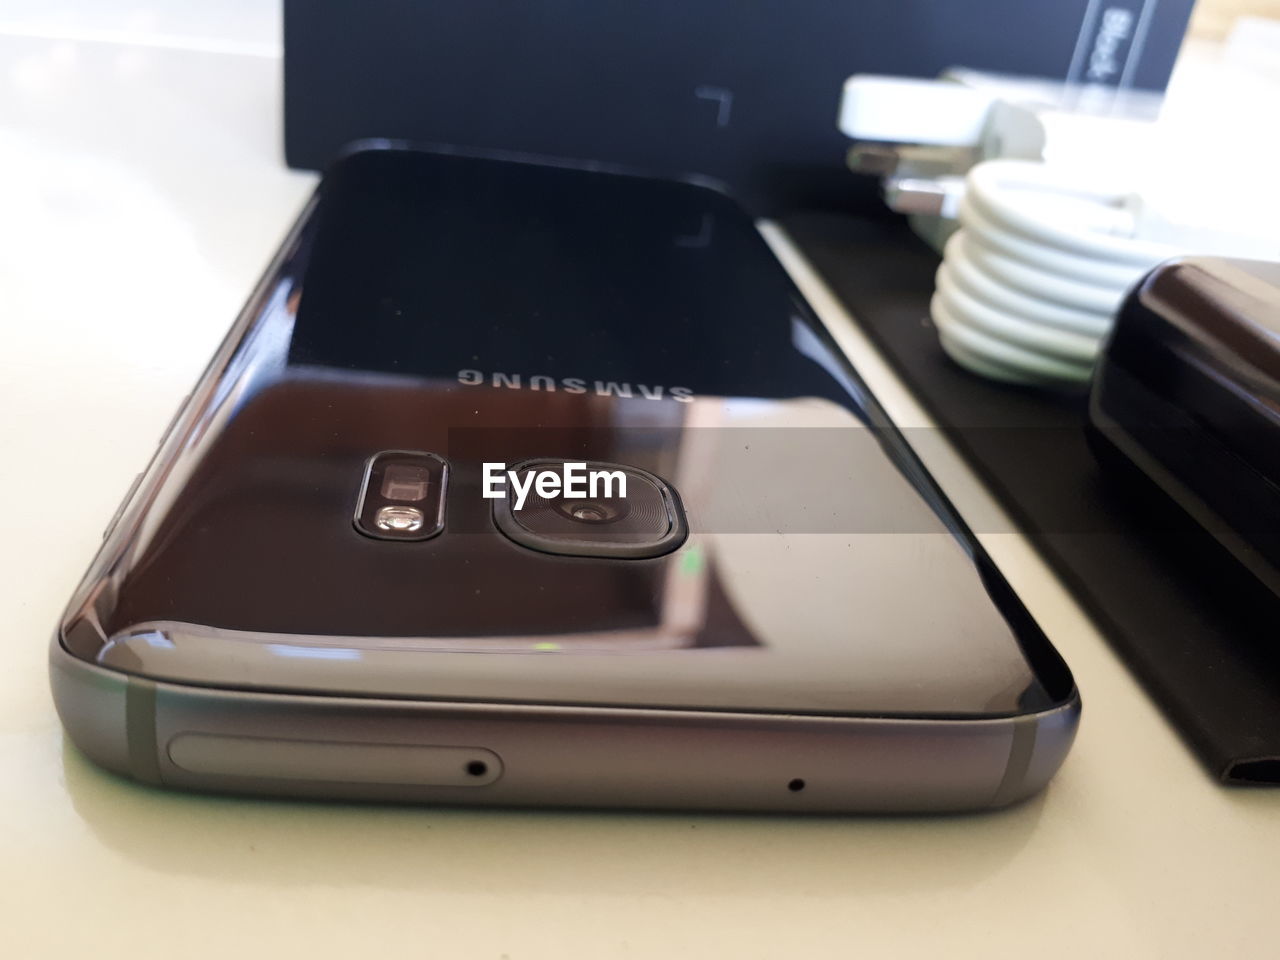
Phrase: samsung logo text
x=601 y=388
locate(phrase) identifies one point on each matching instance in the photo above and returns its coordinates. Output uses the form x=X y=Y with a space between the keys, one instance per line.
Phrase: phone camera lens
x=592 y=511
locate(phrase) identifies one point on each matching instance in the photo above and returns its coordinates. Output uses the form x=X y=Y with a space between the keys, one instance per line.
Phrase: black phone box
x=743 y=93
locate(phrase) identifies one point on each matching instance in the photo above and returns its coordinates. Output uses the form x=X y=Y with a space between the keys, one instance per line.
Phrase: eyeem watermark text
x=572 y=482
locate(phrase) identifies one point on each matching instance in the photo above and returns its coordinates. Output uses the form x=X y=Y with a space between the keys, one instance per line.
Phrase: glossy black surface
x=491 y=311
x=1188 y=392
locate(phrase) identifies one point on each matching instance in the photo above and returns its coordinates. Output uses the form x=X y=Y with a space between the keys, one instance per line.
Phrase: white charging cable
x=1038 y=253
x=1030 y=282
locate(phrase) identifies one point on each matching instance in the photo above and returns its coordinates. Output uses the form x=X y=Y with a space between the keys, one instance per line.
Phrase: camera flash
x=400 y=519
x=402 y=496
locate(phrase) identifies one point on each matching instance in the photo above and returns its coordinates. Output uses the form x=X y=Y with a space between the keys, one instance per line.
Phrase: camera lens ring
x=596 y=541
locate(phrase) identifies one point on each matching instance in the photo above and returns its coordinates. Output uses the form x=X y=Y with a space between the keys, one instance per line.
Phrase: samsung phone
x=520 y=484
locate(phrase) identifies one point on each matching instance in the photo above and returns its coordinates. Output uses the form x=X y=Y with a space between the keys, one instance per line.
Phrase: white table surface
x=141 y=191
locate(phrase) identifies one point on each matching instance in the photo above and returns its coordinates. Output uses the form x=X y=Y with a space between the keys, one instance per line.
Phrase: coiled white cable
x=1030 y=282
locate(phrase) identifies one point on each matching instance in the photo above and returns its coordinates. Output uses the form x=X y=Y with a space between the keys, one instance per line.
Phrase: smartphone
x=524 y=484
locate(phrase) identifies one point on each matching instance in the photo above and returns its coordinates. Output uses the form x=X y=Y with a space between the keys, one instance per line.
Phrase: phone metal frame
x=576 y=756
